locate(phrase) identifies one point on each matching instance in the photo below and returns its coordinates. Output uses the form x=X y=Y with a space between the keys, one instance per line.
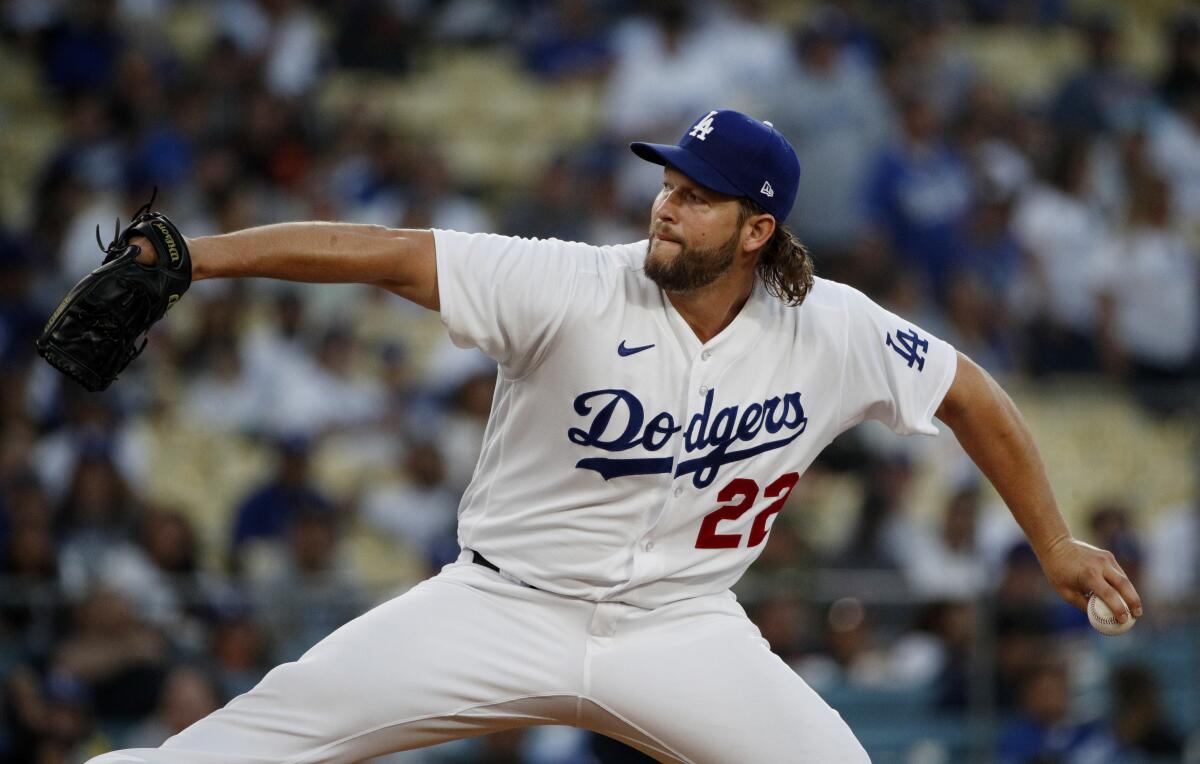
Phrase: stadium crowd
x=284 y=456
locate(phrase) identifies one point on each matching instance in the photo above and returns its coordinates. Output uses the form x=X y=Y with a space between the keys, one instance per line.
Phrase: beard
x=692 y=268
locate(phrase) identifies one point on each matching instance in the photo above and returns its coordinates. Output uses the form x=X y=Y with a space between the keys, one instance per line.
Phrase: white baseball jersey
x=625 y=460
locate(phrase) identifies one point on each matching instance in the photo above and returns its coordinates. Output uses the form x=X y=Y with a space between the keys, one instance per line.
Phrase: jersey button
x=678 y=492
x=705 y=355
x=648 y=546
x=704 y=389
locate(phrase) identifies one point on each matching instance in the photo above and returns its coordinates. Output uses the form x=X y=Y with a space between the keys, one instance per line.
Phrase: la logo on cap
x=703 y=127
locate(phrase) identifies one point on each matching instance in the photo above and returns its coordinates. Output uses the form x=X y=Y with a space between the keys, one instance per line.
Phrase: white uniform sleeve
x=507 y=296
x=893 y=371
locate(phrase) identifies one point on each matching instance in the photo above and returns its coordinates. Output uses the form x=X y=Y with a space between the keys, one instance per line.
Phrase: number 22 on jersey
x=742 y=492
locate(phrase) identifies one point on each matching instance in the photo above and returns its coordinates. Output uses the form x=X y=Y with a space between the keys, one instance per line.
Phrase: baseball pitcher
x=657 y=403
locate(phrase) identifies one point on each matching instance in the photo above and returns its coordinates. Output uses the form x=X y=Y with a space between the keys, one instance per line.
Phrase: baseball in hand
x=1103 y=620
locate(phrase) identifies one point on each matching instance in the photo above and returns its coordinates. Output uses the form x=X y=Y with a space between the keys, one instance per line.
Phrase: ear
x=756 y=232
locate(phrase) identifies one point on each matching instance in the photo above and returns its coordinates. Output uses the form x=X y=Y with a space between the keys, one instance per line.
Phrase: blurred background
x=1020 y=177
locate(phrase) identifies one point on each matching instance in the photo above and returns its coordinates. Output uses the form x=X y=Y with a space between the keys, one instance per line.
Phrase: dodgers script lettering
x=710 y=435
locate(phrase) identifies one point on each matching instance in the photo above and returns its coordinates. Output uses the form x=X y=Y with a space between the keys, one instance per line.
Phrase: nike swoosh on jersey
x=624 y=351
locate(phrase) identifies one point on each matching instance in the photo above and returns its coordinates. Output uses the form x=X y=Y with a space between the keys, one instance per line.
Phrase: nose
x=666 y=209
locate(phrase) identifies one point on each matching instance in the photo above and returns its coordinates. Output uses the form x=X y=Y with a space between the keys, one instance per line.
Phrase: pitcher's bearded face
x=677 y=267
x=684 y=222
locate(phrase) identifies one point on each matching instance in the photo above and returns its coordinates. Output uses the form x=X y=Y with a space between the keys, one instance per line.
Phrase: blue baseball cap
x=734 y=154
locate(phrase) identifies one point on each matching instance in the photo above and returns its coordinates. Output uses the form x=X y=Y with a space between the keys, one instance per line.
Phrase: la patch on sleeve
x=910 y=346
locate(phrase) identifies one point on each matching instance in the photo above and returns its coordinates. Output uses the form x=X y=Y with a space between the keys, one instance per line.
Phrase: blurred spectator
x=566 y=38
x=21 y=316
x=956 y=628
x=270 y=142
x=188 y=695
x=1020 y=643
x=851 y=653
x=554 y=210
x=89 y=166
x=882 y=532
x=295 y=49
x=369 y=169
x=284 y=33
x=1044 y=729
x=221 y=395
x=283 y=344
x=936 y=652
x=753 y=48
x=1025 y=597
x=96 y=518
x=434 y=203
x=983 y=291
x=474 y=22
x=330 y=394
x=238 y=650
x=1112 y=529
x=1173 y=554
x=663 y=75
x=220 y=311
x=1105 y=95
x=1149 y=289
x=421 y=509
x=23 y=500
x=993 y=256
x=90 y=426
x=244 y=23
x=162 y=578
x=1174 y=151
x=312 y=594
x=267 y=512
x=831 y=106
x=50 y=720
x=164 y=152
x=1063 y=238
x=948 y=564
x=376 y=35
x=609 y=220
x=276 y=356
x=976 y=325
x=1139 y=720
x=81 y=53
x=1180 y=77
x=918 y=196
x=32 y=605
x=928 y=57
x=120 y=659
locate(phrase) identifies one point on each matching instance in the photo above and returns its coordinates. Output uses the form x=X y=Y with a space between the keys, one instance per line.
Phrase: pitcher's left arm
x=995 y=436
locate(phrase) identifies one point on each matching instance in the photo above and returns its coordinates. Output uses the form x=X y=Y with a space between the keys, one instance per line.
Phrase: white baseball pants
x=470 y=652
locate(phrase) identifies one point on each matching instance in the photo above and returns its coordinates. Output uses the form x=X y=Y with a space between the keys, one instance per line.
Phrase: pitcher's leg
x=465 y=653
x=700 y=681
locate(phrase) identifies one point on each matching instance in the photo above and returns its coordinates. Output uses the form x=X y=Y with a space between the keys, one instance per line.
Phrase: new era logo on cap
x=734 y=154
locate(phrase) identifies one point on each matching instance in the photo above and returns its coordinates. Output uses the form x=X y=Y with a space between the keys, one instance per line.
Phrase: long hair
x=784 y=263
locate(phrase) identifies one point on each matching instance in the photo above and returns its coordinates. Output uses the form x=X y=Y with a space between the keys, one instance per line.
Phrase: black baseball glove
x=99 y=326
